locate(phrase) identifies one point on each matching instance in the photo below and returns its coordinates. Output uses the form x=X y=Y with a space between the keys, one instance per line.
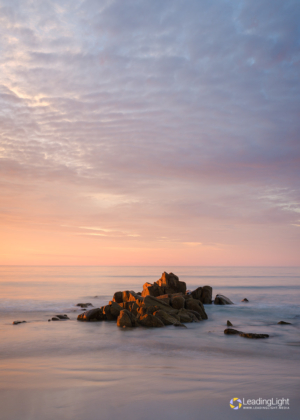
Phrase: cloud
x=175 y=111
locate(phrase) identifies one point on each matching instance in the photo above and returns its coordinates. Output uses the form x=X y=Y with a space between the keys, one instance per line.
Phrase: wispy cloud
x=152 y=119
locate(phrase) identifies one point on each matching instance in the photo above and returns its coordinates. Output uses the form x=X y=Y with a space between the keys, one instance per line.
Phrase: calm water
x=73 y=370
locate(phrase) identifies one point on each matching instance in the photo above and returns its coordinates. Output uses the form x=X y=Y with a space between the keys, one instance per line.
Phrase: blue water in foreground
x=73 y=370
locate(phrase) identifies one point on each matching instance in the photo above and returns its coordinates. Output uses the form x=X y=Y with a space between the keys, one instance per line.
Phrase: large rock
x=150 y=321
x=184 y=316
x=152 y=290
x=167 y=319
x=178 y=302
x=206 y=295
x=152 y=301
x=111 y=312
x=118 y=297
x=196 y=305
x=222 y=300
x=171 y=284
x=131 y=296
x=124 y=319
x=92 y=315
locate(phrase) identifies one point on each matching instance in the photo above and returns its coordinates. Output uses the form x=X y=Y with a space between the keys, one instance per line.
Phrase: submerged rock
x=222 y=300
x=229 y=324
x=245 y=300
x=84 y=305
x=231 y=331
x=18 y=322
x=283 y=323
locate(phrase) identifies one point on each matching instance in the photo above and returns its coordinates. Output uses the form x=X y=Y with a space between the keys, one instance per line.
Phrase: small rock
x=18 y=322
x=62 y=317
x=252 y=335
x=231 y=331
x=54 y=318
x=222 y=300
x=245 y=300
x=229 y=324
x=284 y=323
x=84 y=305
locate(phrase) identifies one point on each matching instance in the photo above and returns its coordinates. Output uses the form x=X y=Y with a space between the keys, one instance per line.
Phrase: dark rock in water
x=84 y=305
x=229 y=324
x=197 y=306
x=222 y=300
x=49 y=320
x=18 y=322
x=54 y=318
x=245 y=300
x=284 y=323
x=231 y=331
x=252 y=335
x=92 y=315
x=62 y=317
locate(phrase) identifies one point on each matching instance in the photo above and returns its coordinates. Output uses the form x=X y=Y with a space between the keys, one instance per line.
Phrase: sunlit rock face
x=165 y=302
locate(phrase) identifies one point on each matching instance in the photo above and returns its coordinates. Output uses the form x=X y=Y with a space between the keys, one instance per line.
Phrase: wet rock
x=284 y=323
x=54 y=318
x=222 y=300
x=84 y=305
x=18 y=322
x=245 y=300
x=231 y=331
x=92 y=315
x=229 y=324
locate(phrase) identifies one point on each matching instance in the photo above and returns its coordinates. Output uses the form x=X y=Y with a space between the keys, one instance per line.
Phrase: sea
x=71 y=370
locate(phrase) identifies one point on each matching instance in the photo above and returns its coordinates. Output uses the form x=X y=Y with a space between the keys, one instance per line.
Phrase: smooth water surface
x=74 y=370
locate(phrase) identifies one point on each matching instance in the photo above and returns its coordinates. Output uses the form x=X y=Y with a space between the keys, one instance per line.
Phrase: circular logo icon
x=235 y=403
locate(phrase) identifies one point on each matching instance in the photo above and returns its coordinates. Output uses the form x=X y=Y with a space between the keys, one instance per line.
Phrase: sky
x=150 y=132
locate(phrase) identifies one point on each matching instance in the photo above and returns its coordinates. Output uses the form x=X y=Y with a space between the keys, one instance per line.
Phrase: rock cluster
x=164 y=302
